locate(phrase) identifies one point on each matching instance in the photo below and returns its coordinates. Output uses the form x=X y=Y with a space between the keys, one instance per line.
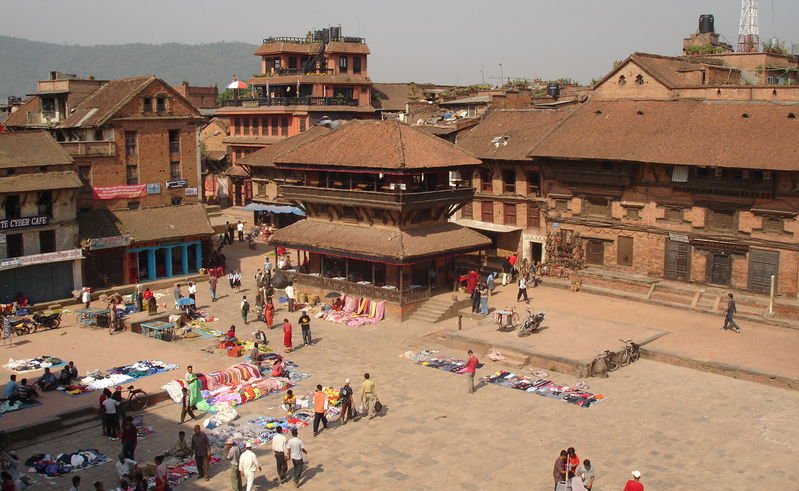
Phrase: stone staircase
x=438 y=308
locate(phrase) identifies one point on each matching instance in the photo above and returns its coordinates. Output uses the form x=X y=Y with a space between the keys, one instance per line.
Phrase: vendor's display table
x=93 y=317
x=159 y=330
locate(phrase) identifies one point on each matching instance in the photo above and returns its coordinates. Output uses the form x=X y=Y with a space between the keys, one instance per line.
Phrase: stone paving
x=683 y=429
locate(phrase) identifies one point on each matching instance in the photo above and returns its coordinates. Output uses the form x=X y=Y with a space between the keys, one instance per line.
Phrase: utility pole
x=482 y=75
x=501 y=76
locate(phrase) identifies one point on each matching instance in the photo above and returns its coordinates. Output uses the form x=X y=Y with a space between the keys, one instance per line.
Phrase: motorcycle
x=532 y=323
x=21 y=327
x=251 y=241
x=51 y=321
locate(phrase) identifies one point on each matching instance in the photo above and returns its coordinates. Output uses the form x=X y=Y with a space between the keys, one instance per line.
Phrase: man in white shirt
x=111 y=417
x=522 y=290
x=295 y=448
x=279 y=447
x=290 y=296
x=240 y=230
x=126 y=468
x=248 y=465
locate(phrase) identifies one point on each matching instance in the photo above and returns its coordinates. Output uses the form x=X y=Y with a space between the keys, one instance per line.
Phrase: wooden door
x=678 y=261
x=762 y=265
x=719 y=269
x=487 y=211
x=595 y=253
x=625 y=251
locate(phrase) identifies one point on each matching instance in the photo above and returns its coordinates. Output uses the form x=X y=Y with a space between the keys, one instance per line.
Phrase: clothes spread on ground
x=355 y=311
x=540 y=386
x=64 y=463
x=112 y=377
x=236 y=385
x=7 y=406
x=258 y=431
x=31 y=364
x=180 y=470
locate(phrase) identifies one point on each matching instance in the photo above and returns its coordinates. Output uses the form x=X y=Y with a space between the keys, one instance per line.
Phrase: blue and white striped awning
x=274 y=208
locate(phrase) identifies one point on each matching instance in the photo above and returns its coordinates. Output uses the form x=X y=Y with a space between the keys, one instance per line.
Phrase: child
x=289 y=402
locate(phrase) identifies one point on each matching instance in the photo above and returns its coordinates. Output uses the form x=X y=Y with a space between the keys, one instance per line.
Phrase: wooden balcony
x=90 y=148
x=391 y=295
x=384 y=199
x=290 y=101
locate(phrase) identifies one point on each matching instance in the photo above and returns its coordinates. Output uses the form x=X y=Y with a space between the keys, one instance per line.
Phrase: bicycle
x=631 y=353
x=507 y=319
x=137 y=399
x=604 y=362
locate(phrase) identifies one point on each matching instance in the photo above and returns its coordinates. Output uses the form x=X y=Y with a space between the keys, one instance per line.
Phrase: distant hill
x=23 y=62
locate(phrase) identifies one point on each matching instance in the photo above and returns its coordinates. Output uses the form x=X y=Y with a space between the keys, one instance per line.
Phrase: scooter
x=22 y=326
x=532 y=323
x=51 y=321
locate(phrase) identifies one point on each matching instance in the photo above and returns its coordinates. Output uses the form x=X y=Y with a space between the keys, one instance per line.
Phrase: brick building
x=39 y=252
x=301 y=80
x=199 y=97
x=642 y=181
x=135 y=143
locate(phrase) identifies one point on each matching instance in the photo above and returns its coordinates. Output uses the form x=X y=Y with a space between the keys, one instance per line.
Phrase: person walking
x=470 y=369
x=129 y=438
x=345 y=396
x=729 y=321
x=522 y=289
x=368 y=395
x=305 y=325
x=248 y=466
x=202 y=452
x=212 y=286
x=86 y=297
x=230 y=278
x=290 y=296
x=245 y=308
x=484 y=292
x=319 y=408
x=232 y=453
x=227 y=235
x=267 y=265
x=186 y=406
x=295 y=448
x=193 y=292
x=240 y=231
x=269 y=312
x=287 y=335
x=490 y=282
x=237 y=280
x=634 y=484
x=279 y=448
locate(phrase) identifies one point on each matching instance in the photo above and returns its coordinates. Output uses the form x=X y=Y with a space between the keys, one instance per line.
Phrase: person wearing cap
x=345 y=396
x=279 y=448
x=634 y=484
x=233 y=454
x=305 y=324
x=248 y=465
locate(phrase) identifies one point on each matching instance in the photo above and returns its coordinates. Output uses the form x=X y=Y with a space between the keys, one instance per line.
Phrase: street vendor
x=255 y=353
x=230 y=336
x=279 y=368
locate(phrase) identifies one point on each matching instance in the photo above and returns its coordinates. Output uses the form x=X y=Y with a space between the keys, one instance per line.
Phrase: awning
x=487 y=226
x=274 y=208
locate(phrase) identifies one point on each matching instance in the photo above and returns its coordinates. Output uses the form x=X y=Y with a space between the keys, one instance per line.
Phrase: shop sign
x=24 y=222
x=555 y=224
x=120 y=192
x=109 y=242
x=191 y=191
x=49 y=257
x=154 y=188
x=678 y=237
x=177 y=183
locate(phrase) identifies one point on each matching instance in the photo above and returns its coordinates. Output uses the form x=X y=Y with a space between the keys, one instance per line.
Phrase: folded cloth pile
x=258 y=431
x=181 y=472
x=31 y=364
x=126 y=373
x=66 y=462
x=235 y=395
x=446 y=363
x=357 y=311
x=546 y=388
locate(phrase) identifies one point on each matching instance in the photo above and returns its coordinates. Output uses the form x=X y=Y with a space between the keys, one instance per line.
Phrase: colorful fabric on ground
x=8 y=407
x=258 y=431
x=542 y=387
x=32 y=364
x=181 y=471
x=118 y=375
x=66 y=462
x=356 y=312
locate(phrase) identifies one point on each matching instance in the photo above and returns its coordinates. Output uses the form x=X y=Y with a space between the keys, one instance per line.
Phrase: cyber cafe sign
x=24 y=222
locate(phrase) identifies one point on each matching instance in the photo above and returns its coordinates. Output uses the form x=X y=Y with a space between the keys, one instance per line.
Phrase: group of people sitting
x=27 y=394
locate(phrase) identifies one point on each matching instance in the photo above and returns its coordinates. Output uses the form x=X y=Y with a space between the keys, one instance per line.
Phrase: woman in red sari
x=269 y=312
x=287 y=335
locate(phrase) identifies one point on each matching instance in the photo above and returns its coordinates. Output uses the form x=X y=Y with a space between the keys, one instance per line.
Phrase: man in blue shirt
x=11 y=386
x=48 y=380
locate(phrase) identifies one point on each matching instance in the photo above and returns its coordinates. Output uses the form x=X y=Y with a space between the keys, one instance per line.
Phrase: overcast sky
x=439 y=41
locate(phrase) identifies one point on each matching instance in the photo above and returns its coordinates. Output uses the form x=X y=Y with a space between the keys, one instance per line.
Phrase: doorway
x=762 y=265
x=719 y=268
x=678 y=260
x=536 y=251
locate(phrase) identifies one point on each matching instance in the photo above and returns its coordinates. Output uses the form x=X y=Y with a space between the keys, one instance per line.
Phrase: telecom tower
x=748 y=32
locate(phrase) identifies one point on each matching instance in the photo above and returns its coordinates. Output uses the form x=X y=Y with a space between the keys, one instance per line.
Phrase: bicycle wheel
x=613 y=362
x=635 y=354
x=138 y=400
x=514 y=319
x=624 y=358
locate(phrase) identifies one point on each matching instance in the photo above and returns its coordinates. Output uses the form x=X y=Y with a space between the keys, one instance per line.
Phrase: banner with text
x=120 y=192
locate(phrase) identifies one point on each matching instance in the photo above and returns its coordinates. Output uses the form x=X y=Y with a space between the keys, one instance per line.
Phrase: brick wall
x=650 y=88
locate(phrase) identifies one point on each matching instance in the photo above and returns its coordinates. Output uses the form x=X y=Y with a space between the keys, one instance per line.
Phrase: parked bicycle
x=507 y=320
x=137 y=399
x=631 y=353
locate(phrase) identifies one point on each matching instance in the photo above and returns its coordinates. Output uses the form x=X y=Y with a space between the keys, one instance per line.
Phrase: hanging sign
x=120 y=192
x=154 y=188
x=177 y=183
x=24 y=222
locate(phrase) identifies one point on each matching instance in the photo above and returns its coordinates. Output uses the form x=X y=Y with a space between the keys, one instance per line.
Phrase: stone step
x=671 y=297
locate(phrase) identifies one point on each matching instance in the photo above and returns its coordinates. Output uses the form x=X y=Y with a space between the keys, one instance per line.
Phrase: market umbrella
x=237 y=84
x=183 y=301
x=333 y=295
